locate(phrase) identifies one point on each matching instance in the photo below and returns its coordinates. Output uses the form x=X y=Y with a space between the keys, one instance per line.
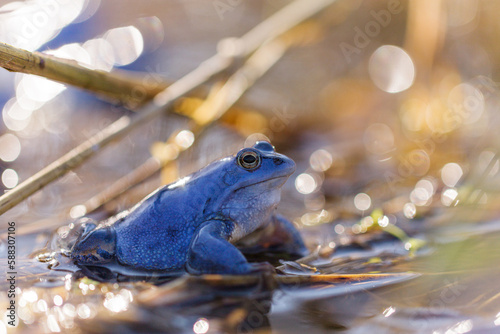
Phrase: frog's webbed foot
x=96 y=245
x=279 y=236
x=210 y=252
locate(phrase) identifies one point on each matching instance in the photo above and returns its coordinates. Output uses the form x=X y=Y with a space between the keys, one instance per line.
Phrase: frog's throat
x=214 y=206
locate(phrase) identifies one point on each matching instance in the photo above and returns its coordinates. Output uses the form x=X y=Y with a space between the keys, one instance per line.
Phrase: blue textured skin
x=191 y=224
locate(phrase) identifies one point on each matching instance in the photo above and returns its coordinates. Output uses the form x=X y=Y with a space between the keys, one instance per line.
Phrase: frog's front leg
x=278 y=235
x=95 y=246
x=210 y=252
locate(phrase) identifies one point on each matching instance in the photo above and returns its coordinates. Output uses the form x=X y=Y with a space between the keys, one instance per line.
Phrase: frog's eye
x=248 y=159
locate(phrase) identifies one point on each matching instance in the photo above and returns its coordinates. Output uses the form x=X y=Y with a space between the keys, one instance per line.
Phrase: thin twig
x=115 y=86
x=272 y=27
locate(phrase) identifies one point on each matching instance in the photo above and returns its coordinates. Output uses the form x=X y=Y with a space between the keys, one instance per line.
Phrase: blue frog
x=193 y=224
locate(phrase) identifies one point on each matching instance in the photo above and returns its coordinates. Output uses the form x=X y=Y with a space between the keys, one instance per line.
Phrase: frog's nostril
x=278 y=161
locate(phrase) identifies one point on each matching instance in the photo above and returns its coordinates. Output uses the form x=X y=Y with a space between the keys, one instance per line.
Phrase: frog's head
x=258 y=166
x=248 y=185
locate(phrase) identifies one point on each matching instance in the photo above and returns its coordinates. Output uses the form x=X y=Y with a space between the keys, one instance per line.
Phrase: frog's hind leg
x=96 y=246
x=210 y=252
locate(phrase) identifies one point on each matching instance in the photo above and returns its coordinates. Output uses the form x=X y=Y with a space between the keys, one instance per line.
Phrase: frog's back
x=157 y=234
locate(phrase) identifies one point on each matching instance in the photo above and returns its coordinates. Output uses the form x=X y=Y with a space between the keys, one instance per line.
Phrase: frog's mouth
x=274 y=182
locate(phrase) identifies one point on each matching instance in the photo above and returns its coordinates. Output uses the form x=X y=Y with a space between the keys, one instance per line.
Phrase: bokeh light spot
x=339 y=229
x=451 y=174
x=255 y=137
x=30 y=296
x=10 y=178
x=378 y=138
x=423 y=192
x=384 y=221
x=116 y=302
x=127 y=44
x=73 y=51
x=78 y=211
x=184 y=139
x=321 y=160
x=420 y=196
x=467 y=103
x=305 y=183
x=462 y=12
x=362 y=202
x=40 y=89
x=83 y=311
x=101 y=54
x=391 y=69
x=18 y=112
x=201 y=326
x=448 y=196
x=12 y=123
x=40 y=306
x=58 y=301
x=30 y=24
x=10 y=147
x=409 y=210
